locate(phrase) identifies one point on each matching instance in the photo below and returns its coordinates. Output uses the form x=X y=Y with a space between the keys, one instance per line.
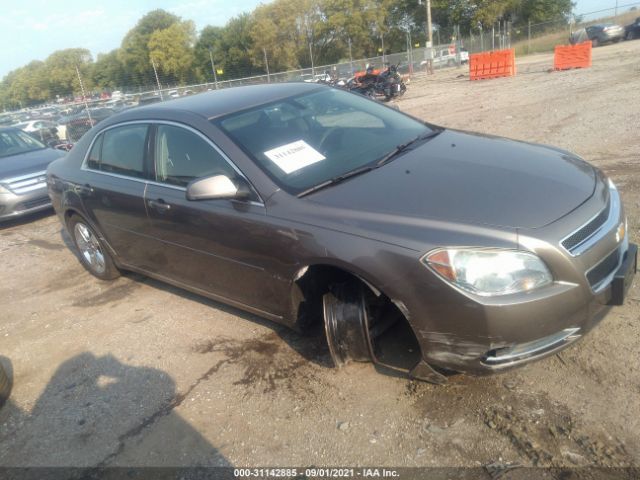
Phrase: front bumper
x=13 y=205
x=508 y=333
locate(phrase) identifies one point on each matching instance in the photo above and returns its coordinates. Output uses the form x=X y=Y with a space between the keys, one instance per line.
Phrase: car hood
x=25 y=163
x=470 y=179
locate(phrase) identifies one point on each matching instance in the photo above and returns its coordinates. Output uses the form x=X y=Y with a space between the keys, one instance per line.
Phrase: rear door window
x=120 y=150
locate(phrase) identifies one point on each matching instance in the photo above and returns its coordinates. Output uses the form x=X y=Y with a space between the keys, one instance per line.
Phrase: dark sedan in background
x=632 y=31
x=311 y=205
x=23 y=166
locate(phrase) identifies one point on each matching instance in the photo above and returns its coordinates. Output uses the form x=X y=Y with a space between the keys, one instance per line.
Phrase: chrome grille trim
x=519 y=353
x=612 y=220
x=26 y=183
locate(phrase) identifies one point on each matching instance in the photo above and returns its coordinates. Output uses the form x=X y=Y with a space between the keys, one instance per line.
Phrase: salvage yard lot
x=136 y=372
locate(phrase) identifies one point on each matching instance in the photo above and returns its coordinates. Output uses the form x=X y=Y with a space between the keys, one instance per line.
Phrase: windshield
x=306 y=140
x=15 y=142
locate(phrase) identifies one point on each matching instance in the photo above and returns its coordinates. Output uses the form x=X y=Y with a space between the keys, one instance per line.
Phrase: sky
x=33 y=29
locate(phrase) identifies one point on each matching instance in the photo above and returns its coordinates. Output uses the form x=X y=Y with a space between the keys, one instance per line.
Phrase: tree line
x=285 y=34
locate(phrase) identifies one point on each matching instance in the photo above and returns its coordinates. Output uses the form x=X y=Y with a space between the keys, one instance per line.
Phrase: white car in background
x=35 y=125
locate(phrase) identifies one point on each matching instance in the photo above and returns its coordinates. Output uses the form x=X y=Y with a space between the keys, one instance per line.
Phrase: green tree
x=134 y=51
x=61 y=71
x=108 y=71
x=172 y=51
x=208 y=40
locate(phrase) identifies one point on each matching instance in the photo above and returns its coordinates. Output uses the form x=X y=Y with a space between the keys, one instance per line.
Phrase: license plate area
x=624 y=276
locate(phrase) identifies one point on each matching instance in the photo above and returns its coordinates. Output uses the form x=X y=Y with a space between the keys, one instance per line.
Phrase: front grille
x=606 y=267
x=26 y=183
x=586 y=231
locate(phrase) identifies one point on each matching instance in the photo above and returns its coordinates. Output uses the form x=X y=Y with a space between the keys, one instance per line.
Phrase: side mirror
x=216 y=187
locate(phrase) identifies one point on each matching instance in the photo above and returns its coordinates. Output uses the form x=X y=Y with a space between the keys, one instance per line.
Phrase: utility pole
x=266 y=64
x=429 y=28
x=155 y=71
x=213 y=69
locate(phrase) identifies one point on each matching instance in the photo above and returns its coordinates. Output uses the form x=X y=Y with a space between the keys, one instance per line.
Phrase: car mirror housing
x=216 y=187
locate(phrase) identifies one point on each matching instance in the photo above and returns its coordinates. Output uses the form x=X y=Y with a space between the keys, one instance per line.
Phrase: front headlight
x=489 y=272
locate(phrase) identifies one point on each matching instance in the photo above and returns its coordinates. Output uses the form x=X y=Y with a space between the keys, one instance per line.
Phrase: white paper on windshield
x=294 y=156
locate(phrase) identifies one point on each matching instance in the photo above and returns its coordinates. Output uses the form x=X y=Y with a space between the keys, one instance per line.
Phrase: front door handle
x=159 y=205
x=85 y=189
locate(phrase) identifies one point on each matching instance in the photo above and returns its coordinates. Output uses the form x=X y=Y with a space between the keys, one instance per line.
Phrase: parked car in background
x=80 y=123
x=598 y=34
x=447 y=57
x=307 y=204
x=632 y=31
x=149 y=99
x=23 y=164
x=44 y=130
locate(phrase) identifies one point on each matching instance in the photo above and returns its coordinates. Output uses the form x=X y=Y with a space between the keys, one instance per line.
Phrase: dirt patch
x=267 y=363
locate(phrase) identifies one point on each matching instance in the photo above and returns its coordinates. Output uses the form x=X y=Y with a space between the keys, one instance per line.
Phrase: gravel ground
x=135 y=372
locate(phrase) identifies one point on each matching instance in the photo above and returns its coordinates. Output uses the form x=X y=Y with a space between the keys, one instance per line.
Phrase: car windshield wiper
x=338 y=179
x=403 y=146
x=367 y=168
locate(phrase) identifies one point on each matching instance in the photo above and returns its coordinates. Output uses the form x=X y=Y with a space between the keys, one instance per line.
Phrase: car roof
x=217 y=103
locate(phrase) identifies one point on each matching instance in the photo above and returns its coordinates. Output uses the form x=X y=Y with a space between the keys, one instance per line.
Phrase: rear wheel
x=93 y=255
x=595 y=42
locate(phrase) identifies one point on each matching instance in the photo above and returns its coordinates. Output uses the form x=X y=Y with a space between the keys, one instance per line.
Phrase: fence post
x=350 y=56
x=155 y=71
x=84 y=96
x=266 y=63
x=493 y=36
x=213 y=68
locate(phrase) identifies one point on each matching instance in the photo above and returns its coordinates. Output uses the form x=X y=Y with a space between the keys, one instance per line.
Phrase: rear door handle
x=159 y=205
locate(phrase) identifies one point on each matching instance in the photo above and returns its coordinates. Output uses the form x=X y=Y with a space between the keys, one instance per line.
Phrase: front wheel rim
x=90 y=248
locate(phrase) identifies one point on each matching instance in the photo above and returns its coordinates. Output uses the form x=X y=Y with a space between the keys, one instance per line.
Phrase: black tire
x=93 y=254
x=595 y=42
x=451 y=63
x=347 y=323
x=5 y=386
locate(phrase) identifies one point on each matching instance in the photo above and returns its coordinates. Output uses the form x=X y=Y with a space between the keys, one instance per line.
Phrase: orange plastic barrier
x=572 y=56
x=500 y=63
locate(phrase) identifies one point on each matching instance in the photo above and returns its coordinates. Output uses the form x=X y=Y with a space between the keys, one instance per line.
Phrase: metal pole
x=313 y=72
x=266 y=64
x=429 y=27
x=529 y=38
x=493 y=36
x=616 y=12
x=155 y=71
x=213 y=69
x=350 y=56
x=84 y=96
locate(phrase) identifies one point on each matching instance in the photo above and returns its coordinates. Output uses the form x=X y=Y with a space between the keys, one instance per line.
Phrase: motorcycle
x=385 y=85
